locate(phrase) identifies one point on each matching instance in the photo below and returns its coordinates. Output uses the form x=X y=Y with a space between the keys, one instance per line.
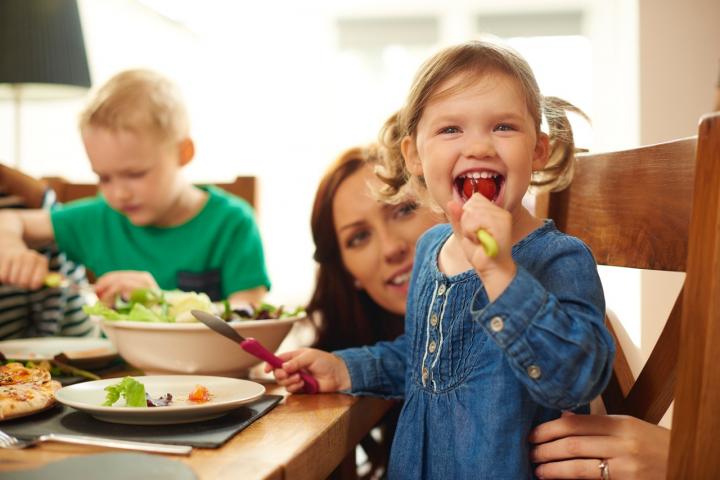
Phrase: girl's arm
x=549 y=321
x=378 y=369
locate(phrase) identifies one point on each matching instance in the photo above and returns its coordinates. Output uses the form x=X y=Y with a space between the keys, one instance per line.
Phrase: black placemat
x=209 y=433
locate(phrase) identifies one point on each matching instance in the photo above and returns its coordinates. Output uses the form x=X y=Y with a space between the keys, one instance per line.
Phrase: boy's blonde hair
x=141 y=101
x=474 y=59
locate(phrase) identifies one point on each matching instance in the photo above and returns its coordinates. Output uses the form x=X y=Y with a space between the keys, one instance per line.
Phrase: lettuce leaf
x=132 y=391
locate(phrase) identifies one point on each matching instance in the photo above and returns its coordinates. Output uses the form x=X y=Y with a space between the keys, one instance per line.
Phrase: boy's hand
x=480 y=213
x=22 y=267
x=122 y=283
x=329 y=370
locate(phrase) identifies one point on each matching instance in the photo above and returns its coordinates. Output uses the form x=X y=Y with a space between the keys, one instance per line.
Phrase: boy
x=150 y=227
x=49 y=311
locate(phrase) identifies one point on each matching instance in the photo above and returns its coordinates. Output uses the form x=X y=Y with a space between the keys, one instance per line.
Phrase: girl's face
x=377 y=241
x=138 y=176
x=480 y=137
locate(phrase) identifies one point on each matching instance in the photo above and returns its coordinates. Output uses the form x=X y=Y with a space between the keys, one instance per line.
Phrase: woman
x=364 y=249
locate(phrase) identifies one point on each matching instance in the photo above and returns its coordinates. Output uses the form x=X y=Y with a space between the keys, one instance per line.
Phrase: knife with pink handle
x=252 y=346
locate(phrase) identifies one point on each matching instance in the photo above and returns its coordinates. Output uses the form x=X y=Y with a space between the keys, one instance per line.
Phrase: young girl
x=493 y=344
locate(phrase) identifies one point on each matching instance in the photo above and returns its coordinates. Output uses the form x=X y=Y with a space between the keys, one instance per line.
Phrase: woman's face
x=377 y=240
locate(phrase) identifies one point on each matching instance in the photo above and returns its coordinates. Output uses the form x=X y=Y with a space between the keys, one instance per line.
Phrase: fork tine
x=7 y=440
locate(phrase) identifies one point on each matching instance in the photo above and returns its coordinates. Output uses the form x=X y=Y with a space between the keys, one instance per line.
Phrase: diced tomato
x=199 y=394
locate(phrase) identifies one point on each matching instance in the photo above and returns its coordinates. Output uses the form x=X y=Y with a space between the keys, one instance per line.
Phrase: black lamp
x=42 y=53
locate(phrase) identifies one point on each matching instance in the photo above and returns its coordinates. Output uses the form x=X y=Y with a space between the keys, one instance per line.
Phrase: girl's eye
x=136 y=174
x=103 y=180
x=357 y=239
x=405 y=210
x=449 y=130
x=504 y=127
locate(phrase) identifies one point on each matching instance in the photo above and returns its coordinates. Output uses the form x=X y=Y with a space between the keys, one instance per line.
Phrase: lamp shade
x=41 y=43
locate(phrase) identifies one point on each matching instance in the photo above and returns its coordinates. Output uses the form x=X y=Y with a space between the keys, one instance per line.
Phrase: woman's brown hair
x=344 y=316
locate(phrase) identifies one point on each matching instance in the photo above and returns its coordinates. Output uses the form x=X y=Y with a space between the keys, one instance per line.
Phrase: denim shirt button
x=534 y=372
x=432 y=346
x=441 y=290
x=425 y=374
x=434 y=320
x=497 y=324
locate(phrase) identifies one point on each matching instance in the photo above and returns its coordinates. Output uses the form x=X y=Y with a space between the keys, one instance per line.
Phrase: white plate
x=226 y=394
x=45 y=348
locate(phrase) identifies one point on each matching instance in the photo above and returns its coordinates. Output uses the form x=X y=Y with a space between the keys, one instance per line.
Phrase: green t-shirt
x=219 y=251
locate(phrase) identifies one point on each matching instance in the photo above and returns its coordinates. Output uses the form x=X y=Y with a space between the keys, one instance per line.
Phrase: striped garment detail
x=48 y=311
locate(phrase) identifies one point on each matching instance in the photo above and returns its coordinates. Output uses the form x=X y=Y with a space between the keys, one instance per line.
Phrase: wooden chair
x=20 y=189
x=243 y=187
x=633 y=209
x=695 y=439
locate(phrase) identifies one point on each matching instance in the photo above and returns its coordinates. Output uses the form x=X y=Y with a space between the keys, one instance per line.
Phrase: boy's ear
x=541 y=155
x=187 y=151
x=410 y=155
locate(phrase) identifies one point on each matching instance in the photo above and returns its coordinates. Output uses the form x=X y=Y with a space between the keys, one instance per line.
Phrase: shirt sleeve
x=378 y=369
x=552 y=329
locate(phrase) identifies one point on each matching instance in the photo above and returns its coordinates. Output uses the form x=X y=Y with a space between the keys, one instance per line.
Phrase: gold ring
x=604 y=469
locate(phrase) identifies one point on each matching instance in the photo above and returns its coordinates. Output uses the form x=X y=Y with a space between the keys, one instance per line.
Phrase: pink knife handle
x=253 y=347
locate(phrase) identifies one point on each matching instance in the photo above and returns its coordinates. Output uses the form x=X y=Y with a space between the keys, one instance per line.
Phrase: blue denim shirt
x=476 y=376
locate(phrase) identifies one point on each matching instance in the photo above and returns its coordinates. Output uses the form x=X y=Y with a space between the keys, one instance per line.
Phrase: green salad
x=175 y=306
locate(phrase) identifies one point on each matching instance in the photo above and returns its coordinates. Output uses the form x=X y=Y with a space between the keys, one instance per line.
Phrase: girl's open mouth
x=487 y=183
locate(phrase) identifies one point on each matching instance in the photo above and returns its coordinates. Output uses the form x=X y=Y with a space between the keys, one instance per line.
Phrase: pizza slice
x=25 y=390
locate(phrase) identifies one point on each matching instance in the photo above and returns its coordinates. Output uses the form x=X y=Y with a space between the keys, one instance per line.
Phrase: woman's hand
x=122 y=283
x=329 y=370
x=574 y=445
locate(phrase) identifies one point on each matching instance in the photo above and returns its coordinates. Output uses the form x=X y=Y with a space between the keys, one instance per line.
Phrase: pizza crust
x=25 y=390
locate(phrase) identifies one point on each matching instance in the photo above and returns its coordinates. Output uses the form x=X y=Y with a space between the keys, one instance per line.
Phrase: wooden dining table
x=303 y=437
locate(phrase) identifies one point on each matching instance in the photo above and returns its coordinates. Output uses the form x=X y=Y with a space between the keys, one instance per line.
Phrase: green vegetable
x=488 y=243
x=132 y=391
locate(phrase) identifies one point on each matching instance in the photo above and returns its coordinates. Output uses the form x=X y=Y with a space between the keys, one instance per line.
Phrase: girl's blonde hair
x=474 y=58
x=141 y=101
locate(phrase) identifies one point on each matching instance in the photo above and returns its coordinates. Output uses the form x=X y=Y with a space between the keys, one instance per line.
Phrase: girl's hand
x=122 y=283
x=23 y=267
x=480 y=213
x=574 y=445
x=329 y=370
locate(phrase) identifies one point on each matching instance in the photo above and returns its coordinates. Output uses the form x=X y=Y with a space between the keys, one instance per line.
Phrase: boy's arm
x=19 y=265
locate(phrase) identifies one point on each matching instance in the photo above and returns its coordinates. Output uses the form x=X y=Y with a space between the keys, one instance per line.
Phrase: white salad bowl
x=192 y=348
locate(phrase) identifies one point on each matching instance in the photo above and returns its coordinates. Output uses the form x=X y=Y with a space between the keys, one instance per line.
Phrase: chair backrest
x=632 y=208
x=18 y=189
x=695 y=443
x=243 y=187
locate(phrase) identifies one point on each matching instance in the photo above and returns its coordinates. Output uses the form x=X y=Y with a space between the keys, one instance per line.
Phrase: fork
x=8 y=441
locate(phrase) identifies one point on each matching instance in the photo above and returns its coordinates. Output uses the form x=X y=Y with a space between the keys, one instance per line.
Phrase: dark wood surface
x=304 y=437
x=633 y=210
x=695 y=440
